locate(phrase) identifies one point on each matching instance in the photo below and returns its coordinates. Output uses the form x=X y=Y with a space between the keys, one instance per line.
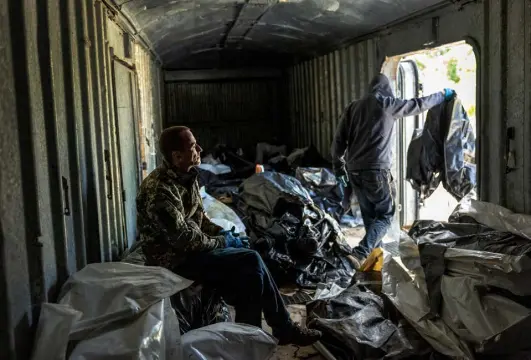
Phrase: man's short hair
x=171 y=140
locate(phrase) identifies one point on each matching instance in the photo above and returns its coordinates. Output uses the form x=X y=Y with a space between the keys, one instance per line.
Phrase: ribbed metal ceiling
x=226 y=33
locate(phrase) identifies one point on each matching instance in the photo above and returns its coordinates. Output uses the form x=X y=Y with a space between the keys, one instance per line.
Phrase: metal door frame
x=115 y=60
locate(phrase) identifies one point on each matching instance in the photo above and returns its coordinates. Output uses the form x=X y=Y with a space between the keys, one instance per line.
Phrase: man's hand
x=449 y=94
x=234 y=240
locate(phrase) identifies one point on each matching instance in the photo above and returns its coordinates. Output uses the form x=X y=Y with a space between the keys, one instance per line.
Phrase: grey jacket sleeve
x=399 y=108
x=339 y=144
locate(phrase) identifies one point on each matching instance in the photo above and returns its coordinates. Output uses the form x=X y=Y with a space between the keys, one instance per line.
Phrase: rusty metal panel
x=237 y=113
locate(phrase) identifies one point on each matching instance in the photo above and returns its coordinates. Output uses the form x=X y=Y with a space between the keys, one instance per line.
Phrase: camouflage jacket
x=171 y=221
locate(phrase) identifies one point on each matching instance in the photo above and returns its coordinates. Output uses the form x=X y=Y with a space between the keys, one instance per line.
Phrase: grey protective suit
x=365 y=128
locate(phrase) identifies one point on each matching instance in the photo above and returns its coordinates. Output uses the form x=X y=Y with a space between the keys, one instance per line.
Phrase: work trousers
x=243 y=280
x=375 y=191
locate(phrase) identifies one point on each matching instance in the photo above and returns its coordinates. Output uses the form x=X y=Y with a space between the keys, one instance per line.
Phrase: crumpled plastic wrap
x=55 y=324
x=264 y=191
x=228 y=341
x=403 y=283
x=494 y=216
x=195 y=306
x=465 y=286
x=354 y=323
x=198 y=306
x=459 y=152
x=298 y=241
x=477 y=279
x=114 y=310
x=220 y=214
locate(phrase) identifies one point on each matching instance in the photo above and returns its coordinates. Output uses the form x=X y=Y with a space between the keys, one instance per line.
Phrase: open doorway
x=418 y=74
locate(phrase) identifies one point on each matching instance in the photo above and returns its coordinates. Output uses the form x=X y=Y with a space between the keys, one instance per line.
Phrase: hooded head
x=380 y=84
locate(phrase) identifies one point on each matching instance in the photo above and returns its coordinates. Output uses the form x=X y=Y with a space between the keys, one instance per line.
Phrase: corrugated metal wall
x=320 y=89
x=60 y=184
x=499 y=30
x=238 y=113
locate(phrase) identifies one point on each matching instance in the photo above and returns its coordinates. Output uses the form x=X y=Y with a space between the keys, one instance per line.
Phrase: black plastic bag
x=459 y=152
x=355 y=325
x=199 y=306
x=434 y=238
x=267 y=190
x=444 y=151
x=324 y=190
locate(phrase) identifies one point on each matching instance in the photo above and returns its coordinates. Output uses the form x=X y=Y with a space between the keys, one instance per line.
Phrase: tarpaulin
x=444 y=151
x=114 y=303
x=228 y=341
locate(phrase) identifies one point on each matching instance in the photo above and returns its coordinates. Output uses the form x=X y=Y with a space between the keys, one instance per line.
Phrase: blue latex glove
x=234 y=240
x=449 y=94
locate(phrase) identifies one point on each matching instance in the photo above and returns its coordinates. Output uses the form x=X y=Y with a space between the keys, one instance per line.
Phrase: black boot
x=297 y=335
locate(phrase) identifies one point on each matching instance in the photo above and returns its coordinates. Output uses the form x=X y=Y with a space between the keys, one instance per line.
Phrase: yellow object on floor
x=374 y=262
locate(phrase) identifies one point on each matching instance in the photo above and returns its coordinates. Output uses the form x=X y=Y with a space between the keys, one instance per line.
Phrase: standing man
x=362 y=147
x=176 y=234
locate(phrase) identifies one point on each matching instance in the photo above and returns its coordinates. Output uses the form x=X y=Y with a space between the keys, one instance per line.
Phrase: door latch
x=66 y=199
x=108 y=176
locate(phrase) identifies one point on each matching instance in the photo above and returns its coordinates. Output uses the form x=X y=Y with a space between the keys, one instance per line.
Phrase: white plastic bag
x=228 y=341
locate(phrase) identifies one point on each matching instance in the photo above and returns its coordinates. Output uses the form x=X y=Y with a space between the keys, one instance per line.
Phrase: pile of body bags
x=130 y=311
x=455 y=290
x=300 y=243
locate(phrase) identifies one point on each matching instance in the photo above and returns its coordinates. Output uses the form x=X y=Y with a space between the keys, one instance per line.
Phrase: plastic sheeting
x=444 y=151
x=465 y=286
x=494 y=216
x=220 y=214
x=459 y=152
x=228 y=341
x=195 y=306
x=298 y=241
x=113 y=303
x=329 y=195
x=266 y=190
x=355 y=325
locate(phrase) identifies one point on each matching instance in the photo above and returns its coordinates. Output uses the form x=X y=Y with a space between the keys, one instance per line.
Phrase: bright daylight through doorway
x=418 y=74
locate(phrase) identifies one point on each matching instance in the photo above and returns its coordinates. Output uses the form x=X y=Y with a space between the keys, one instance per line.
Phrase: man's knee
x=252 y=259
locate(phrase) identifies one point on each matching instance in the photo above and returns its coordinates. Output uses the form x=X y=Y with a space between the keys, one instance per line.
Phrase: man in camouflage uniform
x=176 y=234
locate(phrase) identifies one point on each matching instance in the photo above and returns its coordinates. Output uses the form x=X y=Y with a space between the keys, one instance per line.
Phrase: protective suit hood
x=380 y=84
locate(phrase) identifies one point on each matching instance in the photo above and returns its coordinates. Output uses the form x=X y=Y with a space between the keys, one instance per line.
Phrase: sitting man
x=177 y=235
